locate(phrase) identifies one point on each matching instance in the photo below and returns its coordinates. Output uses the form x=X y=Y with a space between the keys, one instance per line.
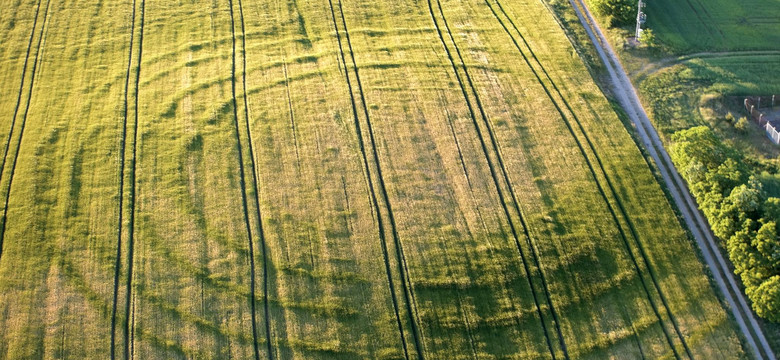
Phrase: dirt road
x=629 y=100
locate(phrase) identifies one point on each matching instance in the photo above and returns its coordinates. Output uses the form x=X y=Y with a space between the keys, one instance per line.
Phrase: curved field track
x=290 y=179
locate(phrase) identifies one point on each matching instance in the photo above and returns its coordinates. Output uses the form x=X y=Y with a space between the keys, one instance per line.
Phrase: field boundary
x=602 y=192
x=656 y=66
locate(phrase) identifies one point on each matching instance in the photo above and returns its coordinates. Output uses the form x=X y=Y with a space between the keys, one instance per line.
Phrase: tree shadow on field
x=74 y=193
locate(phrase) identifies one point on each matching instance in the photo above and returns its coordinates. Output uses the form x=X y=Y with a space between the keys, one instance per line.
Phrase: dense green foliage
x=619 y=12
x=698 y=92
x=738 y=209
x=648 y=38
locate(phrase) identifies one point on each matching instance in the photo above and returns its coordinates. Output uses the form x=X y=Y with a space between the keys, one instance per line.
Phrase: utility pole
x=640 y=19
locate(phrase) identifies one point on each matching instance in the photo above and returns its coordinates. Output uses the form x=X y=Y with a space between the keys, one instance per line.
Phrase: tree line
x=740 y=212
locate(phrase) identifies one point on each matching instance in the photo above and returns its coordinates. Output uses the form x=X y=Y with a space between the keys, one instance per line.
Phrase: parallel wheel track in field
x=504 y=271
x=462 y=309
x=497 y=182
x=19 y=97
x=460 y=154
x=24 y=116
x=122 y=147
x=293 y=128
x=602 y=192
x=129 y=324
x=403 y=269
x=132 y=333
x=711 y=20
x=263 y=247
x=600 y=187
x=255 y=180
x=706 y=23
x=403 y=266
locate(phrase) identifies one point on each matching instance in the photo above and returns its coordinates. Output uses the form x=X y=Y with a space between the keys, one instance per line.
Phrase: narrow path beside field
x=629 y=100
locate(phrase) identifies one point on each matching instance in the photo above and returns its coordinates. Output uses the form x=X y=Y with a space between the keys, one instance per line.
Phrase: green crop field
x=715 y=25
x=323 y=179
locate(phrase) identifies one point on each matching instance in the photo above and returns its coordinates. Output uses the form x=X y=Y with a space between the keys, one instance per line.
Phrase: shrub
x=730 y=118
x=648 y=38
x=742 y=125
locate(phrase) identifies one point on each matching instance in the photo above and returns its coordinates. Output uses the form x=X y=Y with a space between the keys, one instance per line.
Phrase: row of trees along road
x=741 y=213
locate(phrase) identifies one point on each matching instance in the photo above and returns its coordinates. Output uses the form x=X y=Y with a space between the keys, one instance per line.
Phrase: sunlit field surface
x=324 y=179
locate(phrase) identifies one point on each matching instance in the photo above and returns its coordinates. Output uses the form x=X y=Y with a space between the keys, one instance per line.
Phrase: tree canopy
x=620 y=12
x=739 y=211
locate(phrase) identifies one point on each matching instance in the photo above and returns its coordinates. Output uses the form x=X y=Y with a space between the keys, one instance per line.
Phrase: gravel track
x=627 y=97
